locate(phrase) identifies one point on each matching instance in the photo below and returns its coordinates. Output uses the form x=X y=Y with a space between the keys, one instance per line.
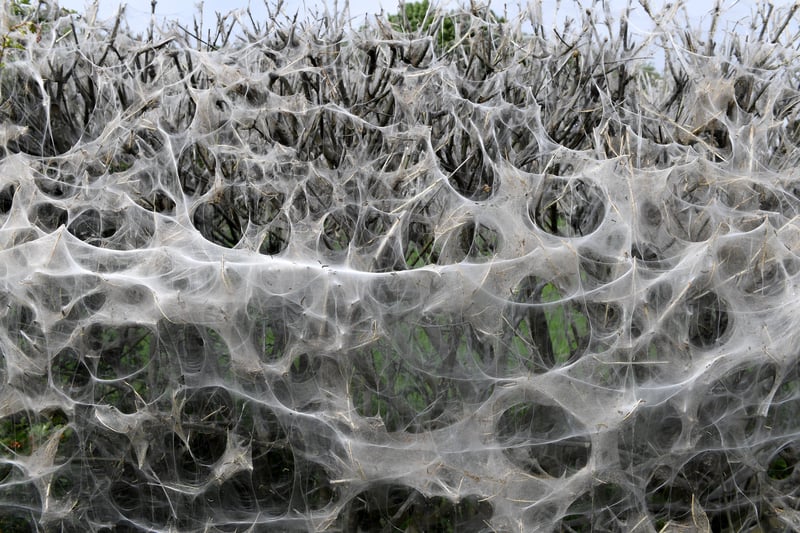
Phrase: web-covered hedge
x=293 y=275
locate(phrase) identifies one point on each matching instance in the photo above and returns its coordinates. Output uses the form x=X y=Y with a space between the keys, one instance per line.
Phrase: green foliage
x=10 y=41
x=20 y=24
x=20 y=8
x=782 y=466
x=25 y=21
x=420 y=251
x=413 y=381
x=554 y=333
x=21 y=435
x=422 y=18
x=568 y=327
x=650 y=73
x=418 y=17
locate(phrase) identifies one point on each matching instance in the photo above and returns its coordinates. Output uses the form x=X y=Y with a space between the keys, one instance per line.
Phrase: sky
x=697 y=11
x=138 y=11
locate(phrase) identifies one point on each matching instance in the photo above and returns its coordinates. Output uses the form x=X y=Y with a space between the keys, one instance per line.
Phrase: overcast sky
x=138 y=11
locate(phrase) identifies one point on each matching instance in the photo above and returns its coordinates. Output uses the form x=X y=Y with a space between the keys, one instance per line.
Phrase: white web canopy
x=339 y=279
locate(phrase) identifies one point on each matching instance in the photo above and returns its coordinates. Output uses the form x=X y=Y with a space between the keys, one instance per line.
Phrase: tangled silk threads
x=318 y=277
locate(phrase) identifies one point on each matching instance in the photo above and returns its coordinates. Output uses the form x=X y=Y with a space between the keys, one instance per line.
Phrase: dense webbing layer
x=332 y=279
